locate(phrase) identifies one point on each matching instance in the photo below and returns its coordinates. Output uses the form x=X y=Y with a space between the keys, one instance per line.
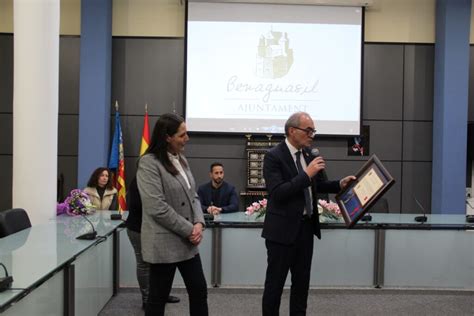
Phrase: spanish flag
x=117 y=162
x=145 y=134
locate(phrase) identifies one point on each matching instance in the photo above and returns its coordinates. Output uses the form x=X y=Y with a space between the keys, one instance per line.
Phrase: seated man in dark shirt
x=218 y=196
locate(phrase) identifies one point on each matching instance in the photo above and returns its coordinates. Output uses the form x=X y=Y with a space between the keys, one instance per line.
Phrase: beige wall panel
x=70 y=19
x=6 y=16
x=70 y=22
x=148 y=18
x=401 y=21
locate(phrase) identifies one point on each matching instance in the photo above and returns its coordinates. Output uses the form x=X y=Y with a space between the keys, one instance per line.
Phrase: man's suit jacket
x=286 y=196
x=228 y=199
x=170 y=210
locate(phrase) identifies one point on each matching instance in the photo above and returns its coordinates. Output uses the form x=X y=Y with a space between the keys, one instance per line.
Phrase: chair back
x=12 y=221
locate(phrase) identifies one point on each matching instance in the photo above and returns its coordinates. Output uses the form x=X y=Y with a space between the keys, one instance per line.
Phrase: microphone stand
x=469 y=217
x=5 y=282
x=88 y=236
x=422 y=218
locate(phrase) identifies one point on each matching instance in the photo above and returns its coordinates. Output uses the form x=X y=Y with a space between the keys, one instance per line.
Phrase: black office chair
x=12 y=221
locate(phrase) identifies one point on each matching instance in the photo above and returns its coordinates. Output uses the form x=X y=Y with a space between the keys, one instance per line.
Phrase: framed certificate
x=373 y=180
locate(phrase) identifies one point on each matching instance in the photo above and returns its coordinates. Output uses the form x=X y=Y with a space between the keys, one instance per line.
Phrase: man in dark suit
x=293 y=179
x=218 y=196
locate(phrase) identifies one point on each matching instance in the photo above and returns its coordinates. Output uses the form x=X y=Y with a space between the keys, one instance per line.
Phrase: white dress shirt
x=175 y=161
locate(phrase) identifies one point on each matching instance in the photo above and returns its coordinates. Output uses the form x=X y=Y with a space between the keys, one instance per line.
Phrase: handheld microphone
x=422 y=218
x=88 y=236
x=321 y=176
x=315 y=152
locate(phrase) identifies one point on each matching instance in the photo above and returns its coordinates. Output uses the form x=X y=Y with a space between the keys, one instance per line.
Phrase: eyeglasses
x=309 y=131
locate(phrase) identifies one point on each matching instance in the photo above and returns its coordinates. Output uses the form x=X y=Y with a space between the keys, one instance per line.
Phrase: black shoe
x=172 y=299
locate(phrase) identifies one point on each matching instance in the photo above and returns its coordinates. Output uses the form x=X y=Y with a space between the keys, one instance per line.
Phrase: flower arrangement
x=329 y=210
x=76 y=203
x=259 y=207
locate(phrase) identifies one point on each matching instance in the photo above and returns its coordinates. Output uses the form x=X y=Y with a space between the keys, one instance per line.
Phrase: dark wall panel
x=6 y=170
x=148 y=70
x=383 y=82
x=416 y=185
x=6 y=73
x=68 y=130
x=68 y=120
x=385 y=139
x=69 y=58
x=6 y=132
x=419 y=82
x=417 y=141
x=201 y=146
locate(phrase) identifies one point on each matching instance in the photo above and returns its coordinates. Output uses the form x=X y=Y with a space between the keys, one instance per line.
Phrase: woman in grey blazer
x=172 y=225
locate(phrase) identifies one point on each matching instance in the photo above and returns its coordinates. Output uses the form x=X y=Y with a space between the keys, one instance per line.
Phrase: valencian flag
x=117 y=162
x=145 y=134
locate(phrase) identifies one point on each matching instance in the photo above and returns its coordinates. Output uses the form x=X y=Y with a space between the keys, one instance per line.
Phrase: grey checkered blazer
x=170 y=210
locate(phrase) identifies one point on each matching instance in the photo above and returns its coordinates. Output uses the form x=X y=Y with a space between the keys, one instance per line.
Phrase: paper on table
x=367 y=187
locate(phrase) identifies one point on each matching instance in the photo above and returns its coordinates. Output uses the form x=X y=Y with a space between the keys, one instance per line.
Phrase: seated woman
x=101 y=191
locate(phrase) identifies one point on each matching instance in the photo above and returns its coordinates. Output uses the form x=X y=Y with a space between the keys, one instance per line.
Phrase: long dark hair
x=94 y=179
x=167 y=125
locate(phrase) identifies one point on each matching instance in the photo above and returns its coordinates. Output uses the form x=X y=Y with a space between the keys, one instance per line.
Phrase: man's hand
x=315 y=166
x=214 y=210
x=196 y=236
x=345 y=181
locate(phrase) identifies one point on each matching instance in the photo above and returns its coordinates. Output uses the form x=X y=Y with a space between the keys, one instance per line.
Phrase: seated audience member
x=101 y=191
x=218 y=196
x=134 y=226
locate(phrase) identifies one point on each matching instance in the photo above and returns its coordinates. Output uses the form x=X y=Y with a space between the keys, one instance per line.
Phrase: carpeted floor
x=247 y=302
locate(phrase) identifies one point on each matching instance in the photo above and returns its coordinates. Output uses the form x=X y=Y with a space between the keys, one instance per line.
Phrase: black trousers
x=295 y=258
x=161 y=281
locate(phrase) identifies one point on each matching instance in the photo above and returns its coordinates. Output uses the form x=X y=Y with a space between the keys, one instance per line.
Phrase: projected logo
x=274 y=57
